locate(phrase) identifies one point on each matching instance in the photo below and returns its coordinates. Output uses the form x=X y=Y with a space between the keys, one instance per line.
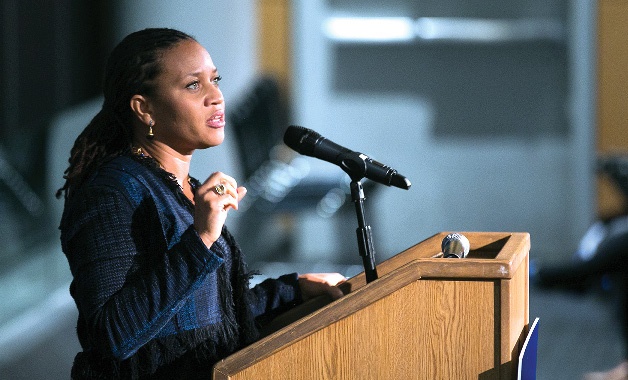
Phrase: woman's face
x=187 y=106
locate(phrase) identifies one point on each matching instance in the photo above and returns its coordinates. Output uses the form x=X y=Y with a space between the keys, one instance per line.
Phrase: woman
x=160 y=284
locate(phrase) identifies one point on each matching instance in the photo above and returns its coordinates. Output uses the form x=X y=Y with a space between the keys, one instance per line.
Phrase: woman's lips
x=217 y=120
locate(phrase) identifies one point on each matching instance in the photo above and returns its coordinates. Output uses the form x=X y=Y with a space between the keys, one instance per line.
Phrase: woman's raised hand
x=213 y=200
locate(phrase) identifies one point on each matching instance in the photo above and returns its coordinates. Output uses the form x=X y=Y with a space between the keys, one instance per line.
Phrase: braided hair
x=131 y=70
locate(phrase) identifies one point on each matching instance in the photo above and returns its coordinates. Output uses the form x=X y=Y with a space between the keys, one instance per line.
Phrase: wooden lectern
x=425 y=317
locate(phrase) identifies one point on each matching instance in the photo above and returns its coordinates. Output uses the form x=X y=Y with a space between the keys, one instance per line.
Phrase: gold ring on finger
x=219 y=189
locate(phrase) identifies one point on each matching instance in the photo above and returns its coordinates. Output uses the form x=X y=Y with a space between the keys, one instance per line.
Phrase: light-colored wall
x=536 y=178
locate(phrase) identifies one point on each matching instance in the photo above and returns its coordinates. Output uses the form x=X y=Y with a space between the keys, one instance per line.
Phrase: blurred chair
x=280 y=183
x=599 y=262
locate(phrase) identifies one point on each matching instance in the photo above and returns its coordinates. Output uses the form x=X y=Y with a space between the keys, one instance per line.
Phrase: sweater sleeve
x=125 y=292
x=275 y=296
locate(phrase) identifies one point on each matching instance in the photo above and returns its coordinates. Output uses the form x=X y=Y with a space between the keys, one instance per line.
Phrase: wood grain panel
x=433 y=338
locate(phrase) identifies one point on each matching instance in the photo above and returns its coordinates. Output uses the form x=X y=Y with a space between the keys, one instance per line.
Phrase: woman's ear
x=141 y=109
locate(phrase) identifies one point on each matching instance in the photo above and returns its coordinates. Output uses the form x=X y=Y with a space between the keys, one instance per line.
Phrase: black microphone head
x=293 y=135
x=301 y=139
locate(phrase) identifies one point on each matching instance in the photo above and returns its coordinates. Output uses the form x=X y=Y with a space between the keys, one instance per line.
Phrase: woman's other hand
x=317 y=284
x=213 y=200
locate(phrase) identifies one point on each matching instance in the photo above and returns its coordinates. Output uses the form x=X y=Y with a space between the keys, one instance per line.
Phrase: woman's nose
x=214 y=96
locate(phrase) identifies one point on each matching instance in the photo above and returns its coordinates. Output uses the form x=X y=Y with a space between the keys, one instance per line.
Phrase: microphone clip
x=353 y=164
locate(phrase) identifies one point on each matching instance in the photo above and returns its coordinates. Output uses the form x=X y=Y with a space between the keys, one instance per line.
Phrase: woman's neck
x=169 y=159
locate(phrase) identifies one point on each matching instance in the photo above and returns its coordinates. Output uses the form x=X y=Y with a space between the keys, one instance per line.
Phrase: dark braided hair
x=131 y=70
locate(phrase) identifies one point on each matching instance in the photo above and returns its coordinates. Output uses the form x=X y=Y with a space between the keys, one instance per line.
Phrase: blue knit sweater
x=152 y=299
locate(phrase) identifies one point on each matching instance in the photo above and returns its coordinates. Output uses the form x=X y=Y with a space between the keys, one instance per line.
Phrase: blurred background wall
x=490 y=108
x=492 y=123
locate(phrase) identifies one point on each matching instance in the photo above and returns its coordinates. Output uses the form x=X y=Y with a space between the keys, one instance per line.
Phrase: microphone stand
x=365 y=237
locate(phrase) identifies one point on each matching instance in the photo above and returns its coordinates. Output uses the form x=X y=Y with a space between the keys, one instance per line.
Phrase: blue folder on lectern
x=527 y=357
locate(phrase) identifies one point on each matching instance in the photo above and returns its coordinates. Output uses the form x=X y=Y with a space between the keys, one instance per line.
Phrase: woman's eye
x=217 y=79
x=193 y=86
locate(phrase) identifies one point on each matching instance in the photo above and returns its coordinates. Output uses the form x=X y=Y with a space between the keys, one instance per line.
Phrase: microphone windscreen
x=455 y=245
x=301 y=139
x=293 y=135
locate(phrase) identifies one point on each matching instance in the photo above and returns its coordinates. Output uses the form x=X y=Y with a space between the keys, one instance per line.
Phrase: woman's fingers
x=227 y=186
x=241 y=192
x=316 y=284
x=213 y=199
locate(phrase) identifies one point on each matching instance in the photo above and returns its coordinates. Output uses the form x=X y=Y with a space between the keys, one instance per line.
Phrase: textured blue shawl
x=152 y=299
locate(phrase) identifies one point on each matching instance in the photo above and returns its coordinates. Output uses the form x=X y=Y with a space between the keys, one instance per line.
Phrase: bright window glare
x=370 y=28
x=405 y=29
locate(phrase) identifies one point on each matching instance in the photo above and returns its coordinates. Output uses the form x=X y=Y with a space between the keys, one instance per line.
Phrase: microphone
x=357 y=165
x=455 y=246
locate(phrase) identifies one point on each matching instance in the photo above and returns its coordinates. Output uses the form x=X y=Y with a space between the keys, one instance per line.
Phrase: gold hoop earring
x=150 y=134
